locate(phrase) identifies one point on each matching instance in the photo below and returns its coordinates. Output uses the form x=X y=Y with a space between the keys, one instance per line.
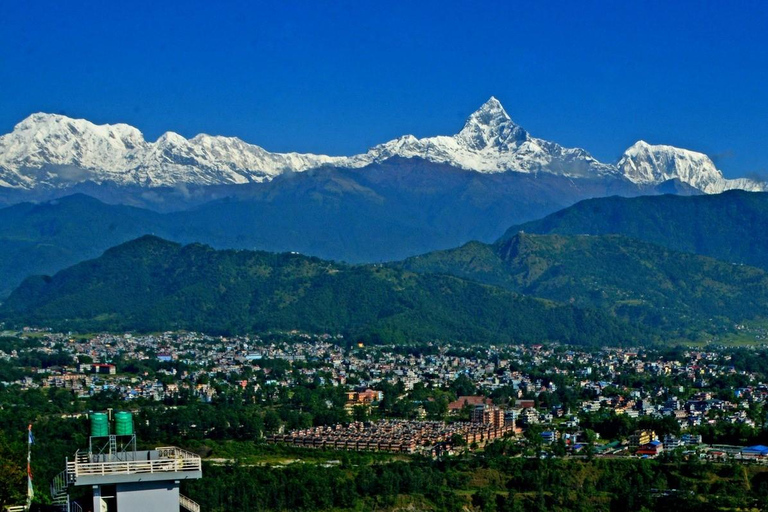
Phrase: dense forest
x=678 y=292
x=151 y=284
x=487 y=482
x=728 y=226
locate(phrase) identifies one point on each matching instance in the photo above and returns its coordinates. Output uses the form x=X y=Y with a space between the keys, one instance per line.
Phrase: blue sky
x=340 y=78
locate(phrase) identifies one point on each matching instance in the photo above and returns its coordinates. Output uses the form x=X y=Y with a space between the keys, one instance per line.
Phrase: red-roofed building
x=467 y=401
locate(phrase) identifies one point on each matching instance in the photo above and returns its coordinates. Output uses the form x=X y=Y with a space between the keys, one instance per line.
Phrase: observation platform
x=161 y=464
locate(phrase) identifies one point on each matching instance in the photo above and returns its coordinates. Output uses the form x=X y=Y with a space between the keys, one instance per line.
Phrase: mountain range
x=384 y=212
x=579 y=289
x=643 y=266
x=657 y=244
x=371 y=217
x=50 y=152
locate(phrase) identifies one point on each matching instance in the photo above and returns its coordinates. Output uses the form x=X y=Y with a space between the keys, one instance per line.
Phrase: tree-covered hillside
x=151 y=284
x=640 y=282
x=729 y=226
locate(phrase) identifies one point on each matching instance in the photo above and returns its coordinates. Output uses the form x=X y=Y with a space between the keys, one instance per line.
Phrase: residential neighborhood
x=446 y=397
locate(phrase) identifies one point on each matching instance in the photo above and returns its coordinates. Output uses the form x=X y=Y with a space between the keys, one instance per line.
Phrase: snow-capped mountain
x=644 y=164
x=54 y=151
x=491 y=142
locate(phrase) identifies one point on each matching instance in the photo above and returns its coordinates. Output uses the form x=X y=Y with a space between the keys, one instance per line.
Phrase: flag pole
x=30 y=490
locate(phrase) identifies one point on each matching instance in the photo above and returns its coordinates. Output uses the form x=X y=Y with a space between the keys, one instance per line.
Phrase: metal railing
x=188 y=504
x=22 y=508
x=174 y=452
x=172 y=459
x=59 y=487
x=131 y=467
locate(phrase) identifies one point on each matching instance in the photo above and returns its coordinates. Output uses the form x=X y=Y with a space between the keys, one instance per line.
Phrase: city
x=431 y=399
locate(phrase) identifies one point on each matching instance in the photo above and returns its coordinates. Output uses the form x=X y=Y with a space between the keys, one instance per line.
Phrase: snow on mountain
x=53 y=151
x=491 y=142
x=648 y=164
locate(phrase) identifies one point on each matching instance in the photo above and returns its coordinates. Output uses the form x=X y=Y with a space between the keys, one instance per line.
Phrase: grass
x=260 y=454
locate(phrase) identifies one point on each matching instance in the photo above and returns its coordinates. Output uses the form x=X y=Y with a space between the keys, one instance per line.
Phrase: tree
x=485 y=498
x=463 y=386
x=558 y=448
x=458 y=440
x=589 y=441
x=533 y=437
x=11 y=476
x=360 y=413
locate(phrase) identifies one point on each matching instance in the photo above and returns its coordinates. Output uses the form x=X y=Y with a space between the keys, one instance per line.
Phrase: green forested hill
x=386 y=211
x=731 y=226
x=637 y=281
x=152 y=284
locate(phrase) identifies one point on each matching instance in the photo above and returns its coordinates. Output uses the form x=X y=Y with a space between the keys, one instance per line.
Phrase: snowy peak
x=56 y=130
x=51 y=151
x=55 y=151
x=491 y=126
x=491 y=142
x=64 y=147
x=648 y=164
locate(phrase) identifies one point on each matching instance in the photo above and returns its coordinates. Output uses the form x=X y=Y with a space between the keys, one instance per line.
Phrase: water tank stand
x=112 y=448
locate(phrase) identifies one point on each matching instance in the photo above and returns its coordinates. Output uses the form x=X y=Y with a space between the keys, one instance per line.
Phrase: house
x=641 y=438
x=671 y=442
x=651 y=449
x=549 y=437
x=525 y=404
x=755 y=451
x=108 y=369
x=467 y=401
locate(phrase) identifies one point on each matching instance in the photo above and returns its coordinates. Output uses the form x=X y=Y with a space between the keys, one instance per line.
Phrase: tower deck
x=162 y=463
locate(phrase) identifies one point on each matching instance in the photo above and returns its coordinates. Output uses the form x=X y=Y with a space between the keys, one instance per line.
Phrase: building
x=549 y=436
x=671 y=442
x=642 y=437
x=102 y=368
x=488 y=415
x=755 y=451
x=466 y=401
x=691 y=439
x=120 y=478
x=651 y=449
x=525 y=404
x=362 y=399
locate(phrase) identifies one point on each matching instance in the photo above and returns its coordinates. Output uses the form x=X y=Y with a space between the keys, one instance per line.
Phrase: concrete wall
x=148 y=497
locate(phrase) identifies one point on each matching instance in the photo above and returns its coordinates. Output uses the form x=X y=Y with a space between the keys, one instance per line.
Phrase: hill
x=729 y=226
x=383 y=212
x=637 y=281
x=152 y=284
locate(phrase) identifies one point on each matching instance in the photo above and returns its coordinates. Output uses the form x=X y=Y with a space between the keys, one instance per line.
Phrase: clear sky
x=339 y=77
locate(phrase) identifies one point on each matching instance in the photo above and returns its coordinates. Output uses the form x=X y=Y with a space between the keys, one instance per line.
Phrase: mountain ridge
x=151 y=284
x=728 y=226
x=54 y=151
x=678 y=292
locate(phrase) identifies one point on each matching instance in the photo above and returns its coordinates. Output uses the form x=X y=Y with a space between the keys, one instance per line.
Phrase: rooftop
x=163 y=463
